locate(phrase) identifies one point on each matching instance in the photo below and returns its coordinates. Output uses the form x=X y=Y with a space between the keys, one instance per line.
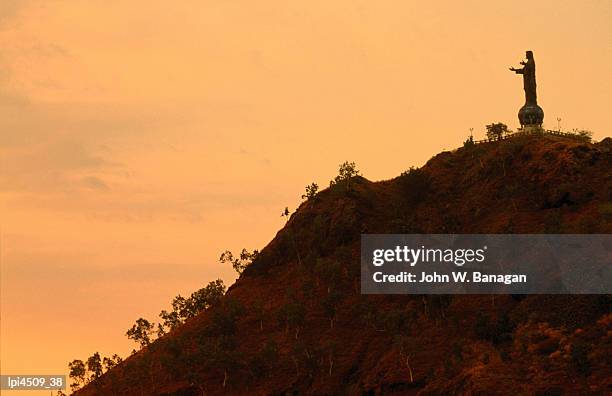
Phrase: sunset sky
x=140 y=139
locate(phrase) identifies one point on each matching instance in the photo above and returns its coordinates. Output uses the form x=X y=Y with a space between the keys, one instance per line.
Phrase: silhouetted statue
x=530 y=113
x=529 y=81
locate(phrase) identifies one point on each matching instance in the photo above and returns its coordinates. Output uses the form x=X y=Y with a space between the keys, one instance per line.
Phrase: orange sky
x=138 y=140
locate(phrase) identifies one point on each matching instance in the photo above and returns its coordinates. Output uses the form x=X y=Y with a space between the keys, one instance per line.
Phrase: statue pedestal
x=531 y=114
x=531 y=128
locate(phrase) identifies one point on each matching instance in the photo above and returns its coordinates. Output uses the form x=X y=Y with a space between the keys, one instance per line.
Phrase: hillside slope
x=295 y=322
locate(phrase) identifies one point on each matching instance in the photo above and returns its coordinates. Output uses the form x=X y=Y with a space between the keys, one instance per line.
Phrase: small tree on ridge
x=496 y=130
x=141 y=332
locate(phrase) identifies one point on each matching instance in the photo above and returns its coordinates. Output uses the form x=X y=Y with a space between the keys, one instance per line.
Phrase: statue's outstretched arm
x=517 y=71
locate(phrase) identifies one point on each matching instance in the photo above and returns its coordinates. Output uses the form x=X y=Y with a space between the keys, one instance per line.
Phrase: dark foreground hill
x=295 y=322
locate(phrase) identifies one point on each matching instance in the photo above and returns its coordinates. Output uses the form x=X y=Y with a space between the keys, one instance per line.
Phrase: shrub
x=469 y=142
x=329 y=271
x=330 y=304
x=261 y=363
x=224 y=318
x=605 y=210
x=494 y=331
x=580 y=358
x=311 y=191
x=346 y=172
x=292 y=314
x=243 y=261
x=415 y=184
x=582 y=134
x=394 y=321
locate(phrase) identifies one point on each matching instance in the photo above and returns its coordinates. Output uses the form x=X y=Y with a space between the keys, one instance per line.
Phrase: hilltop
x=295 y=322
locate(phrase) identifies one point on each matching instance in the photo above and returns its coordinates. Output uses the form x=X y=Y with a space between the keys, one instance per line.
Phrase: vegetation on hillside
x=295 y=320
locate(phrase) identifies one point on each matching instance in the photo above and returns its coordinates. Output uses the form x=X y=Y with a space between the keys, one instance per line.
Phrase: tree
x=185 y=308
x=210 y=295
x=308 y=356
x=292 y=313
x=111 y=362
x=239 y=263
x=261 y=363
x=496 y=130
x=330 y=303
x=329 y=271
x=330 y=350
x=227 y=359
x=172 y=320
x=179 y=305
x=78 y=374
x=187 y=364
x=141 y=332
x=346 y=172
x=259 y=312
x=94 y=365
x=224 y=318
x=403 y=345
x=161 y=331
x=295 y=316
x=311 y=191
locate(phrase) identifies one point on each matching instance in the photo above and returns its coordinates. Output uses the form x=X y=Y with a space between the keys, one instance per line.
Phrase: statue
x=530 y=115
x=529 y=81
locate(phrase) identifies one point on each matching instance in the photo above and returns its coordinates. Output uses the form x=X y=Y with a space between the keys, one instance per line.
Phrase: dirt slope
x=295 y=323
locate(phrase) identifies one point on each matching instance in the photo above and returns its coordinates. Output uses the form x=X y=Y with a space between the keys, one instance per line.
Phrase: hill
x=295 y=322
